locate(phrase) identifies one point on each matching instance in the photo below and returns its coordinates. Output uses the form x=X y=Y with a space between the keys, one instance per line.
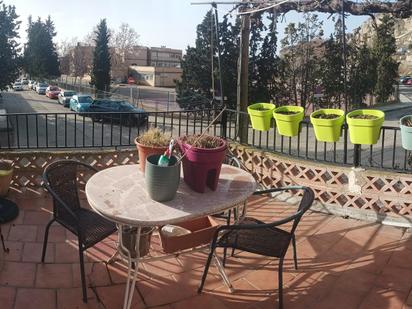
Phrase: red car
x=409 y=82
x=52 y=92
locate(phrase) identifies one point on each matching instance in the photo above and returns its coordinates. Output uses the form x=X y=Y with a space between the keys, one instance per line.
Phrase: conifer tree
x=9 y=59
x=100 y=75
x=384 y=48
x=40 y=54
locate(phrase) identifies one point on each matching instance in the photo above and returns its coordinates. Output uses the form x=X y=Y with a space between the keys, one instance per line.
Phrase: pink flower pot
x=201 y=167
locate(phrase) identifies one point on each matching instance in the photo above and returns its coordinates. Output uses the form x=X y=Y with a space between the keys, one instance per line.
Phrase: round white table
x=119 y=194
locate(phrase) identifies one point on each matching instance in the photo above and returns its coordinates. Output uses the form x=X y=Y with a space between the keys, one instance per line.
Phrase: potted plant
x=162 y=181
x=129 y=238
x=6 y=175
x=153 y=141
x=365 y=126
x=261 y=115
x=405 y=124
x=288 y=119
x=327 y=124
x=203 y=156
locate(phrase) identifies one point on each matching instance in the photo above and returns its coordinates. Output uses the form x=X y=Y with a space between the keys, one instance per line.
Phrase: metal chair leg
x=206 y=270
x=225 y=249
x=46 y=237
x=280 y=283
x=82 y=274
x=295 y=256
x=6 y=250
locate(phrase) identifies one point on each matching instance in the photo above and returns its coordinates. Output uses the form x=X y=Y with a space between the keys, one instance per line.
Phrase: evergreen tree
x=40 y=55
x=268 y=83
x=100 y=75
x=300 y=58
x=384 y=48
x=9 y=59
x=194 y=89
x=255 y=44
x=361 y=73
x=332 y=69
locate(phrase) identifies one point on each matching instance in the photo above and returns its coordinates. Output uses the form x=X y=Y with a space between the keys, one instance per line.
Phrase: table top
x=119 y=194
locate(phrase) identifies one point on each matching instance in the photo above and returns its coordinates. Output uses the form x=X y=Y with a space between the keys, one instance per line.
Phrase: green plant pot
x=365 y=131
x=406 y=133
x=288 y=125
x=328 y=130
x=162 y=181
x=261 y=119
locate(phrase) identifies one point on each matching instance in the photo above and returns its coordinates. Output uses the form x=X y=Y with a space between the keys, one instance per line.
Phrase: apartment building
x=164 y=57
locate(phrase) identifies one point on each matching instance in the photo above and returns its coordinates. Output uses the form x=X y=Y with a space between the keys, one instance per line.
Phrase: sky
x=170 y=23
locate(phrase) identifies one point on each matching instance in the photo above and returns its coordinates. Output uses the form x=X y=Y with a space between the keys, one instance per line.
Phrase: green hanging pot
x=327 y=124
x=288 y=119
x=365 y=126
x=261 y=115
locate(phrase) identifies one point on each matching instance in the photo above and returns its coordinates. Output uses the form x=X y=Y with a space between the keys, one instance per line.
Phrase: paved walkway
x=343 y=263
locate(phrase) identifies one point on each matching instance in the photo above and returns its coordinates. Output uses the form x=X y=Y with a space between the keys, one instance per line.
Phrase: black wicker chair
x=61 y=180
x=262 y=238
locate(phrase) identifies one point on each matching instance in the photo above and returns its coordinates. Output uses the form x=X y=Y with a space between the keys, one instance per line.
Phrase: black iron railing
x=386 y=154
x=99 y=130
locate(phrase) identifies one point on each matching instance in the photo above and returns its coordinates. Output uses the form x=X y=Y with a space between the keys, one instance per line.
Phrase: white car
x=17 y=86
x=65 y=96
x=41 y=88
x=31 y=84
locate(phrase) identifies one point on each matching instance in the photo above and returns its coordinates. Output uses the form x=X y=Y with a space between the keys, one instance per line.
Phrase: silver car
x=41 y=88
x=17 y=86
x=65 y=96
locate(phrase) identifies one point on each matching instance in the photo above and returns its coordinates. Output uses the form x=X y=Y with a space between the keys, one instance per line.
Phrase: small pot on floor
x=129 y=238
x=6 y=175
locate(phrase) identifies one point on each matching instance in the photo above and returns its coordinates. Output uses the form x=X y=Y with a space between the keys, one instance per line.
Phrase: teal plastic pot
x=406 y=133
x=162 y=181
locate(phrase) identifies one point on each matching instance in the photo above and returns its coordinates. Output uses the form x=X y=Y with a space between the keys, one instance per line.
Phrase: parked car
x=80 y=103
x=118 y=111
x=52 y=92
x=41 y=88
x=25 y=81
x=405 y=79
x=65 y=96
x=409 y=82
x=17 y=86
x=31 y=83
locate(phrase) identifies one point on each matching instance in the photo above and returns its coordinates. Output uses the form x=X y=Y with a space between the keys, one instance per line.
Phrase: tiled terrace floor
x=343 y=263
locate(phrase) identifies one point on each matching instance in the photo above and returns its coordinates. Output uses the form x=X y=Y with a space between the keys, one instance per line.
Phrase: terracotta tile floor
x=343 y=263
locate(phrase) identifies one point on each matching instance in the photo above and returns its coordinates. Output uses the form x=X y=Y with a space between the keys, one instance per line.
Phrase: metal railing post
x=224 y=124
x=356 y=155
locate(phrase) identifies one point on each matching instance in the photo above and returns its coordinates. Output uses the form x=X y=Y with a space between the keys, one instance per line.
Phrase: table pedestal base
x=133 y=265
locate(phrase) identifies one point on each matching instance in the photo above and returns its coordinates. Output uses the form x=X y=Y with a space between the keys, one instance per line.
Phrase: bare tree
x=124 y=39
x=81 y=59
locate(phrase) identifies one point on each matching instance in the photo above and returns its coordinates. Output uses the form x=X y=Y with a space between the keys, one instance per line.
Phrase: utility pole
x=242 y=80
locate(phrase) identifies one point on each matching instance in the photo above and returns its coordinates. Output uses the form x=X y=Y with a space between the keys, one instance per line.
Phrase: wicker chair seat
x=93 y=226
x=269 y=241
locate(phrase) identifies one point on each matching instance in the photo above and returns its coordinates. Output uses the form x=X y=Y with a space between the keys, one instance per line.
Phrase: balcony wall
x=371 y=195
